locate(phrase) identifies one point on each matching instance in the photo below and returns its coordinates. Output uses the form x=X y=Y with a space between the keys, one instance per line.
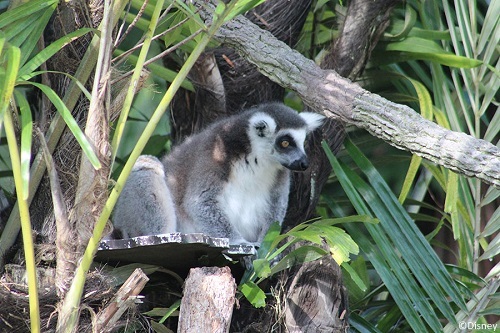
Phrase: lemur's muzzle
x=300 y=164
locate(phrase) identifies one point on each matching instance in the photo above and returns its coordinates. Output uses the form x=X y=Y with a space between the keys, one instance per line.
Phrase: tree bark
x=339 y=98
x=125 y=297
x=208 y=300
x=316 y=299
x=92 y=189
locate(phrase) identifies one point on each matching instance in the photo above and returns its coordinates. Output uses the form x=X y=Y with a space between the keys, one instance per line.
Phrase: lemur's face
x=284 y=145
x=289 y=149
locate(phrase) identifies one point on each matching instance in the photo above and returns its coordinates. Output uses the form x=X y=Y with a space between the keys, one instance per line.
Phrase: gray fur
x=145 y=206
x=231 y=180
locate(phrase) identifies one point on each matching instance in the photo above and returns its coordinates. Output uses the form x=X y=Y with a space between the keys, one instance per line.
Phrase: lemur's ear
x=313 y=120
x=261 y=128
x=262 y=124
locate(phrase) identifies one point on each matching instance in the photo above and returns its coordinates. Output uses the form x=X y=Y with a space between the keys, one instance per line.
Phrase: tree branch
x=339 y=98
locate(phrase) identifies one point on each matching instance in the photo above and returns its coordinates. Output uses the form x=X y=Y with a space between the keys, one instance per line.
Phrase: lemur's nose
x=299 y=165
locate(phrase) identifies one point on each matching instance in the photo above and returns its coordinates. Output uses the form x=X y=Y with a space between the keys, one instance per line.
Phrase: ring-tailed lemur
x=231 y=180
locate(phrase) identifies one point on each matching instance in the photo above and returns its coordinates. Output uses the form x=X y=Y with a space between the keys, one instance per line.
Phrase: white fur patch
x=313 y=120
x=246 y=196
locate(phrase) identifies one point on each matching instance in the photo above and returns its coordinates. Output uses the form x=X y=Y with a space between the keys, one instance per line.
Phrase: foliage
x=443 y=61
x=439 y=57
x=272 y=256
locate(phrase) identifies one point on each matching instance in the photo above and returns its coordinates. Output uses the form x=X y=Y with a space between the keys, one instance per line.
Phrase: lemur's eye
x=285 y=143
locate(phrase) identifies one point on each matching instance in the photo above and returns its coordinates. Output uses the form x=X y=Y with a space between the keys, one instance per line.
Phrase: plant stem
x=120 y=126
x=6 y=94
x=29 y=251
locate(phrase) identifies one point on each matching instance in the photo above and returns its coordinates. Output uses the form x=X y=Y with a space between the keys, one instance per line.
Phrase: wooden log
x=125 y=297
x=316 y=300
x=208 y=301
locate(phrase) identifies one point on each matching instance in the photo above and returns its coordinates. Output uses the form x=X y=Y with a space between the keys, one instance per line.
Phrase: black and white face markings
x=289 y=149
x=282 y=139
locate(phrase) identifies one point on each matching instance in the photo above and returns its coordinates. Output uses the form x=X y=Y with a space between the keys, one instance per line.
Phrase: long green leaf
x=80 y=85
x=407 y=26
x=388 y=265
x=27 y=39
x=426 y=110
x=170 y=310
x=416 y=48
x=50 y=50
x=355 y=277
x=362 y=325
x=131 y=91
x=13 y=58
x=404 y=232
x=25 y=10
x=400 y=271
x=70 y=122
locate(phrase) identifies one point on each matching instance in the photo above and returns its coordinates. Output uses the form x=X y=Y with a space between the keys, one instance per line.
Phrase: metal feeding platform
x=175 y=251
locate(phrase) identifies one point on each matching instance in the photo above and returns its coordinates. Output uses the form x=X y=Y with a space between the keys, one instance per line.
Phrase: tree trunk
x=208 y=300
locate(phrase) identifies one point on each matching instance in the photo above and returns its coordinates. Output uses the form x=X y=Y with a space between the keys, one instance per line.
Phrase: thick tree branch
x=340 y=99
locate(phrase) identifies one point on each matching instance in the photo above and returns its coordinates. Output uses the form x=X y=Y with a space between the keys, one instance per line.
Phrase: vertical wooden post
x=208 y=301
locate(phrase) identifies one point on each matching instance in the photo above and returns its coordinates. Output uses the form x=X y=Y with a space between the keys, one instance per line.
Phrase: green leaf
x=393 y=271
x=416 y=45
x=159 y=328
x=450 y=205
x=241 y=7
x=410 y=177
x=464 y=273
x=170 y=311
x=347 y=219
x=34 y=15
x=493 y=224
x=23 y=11
x=266 y=246
x=493 y=248
x=409 y=23
x=49 y=51
x=253 y=294
x=360 y=283
x=156 y=312
x=175 y=35
x=362 y=325
x=309 y=235
x=70 y=122
x=445 y=59
x=426 y=110
x=219 y=10
x=190 y=11
x=298 y=256
x=341 y=244
x=413 y=246
x=84 y=90
x=262 y=268
x=416 y=48
x=11 y=65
